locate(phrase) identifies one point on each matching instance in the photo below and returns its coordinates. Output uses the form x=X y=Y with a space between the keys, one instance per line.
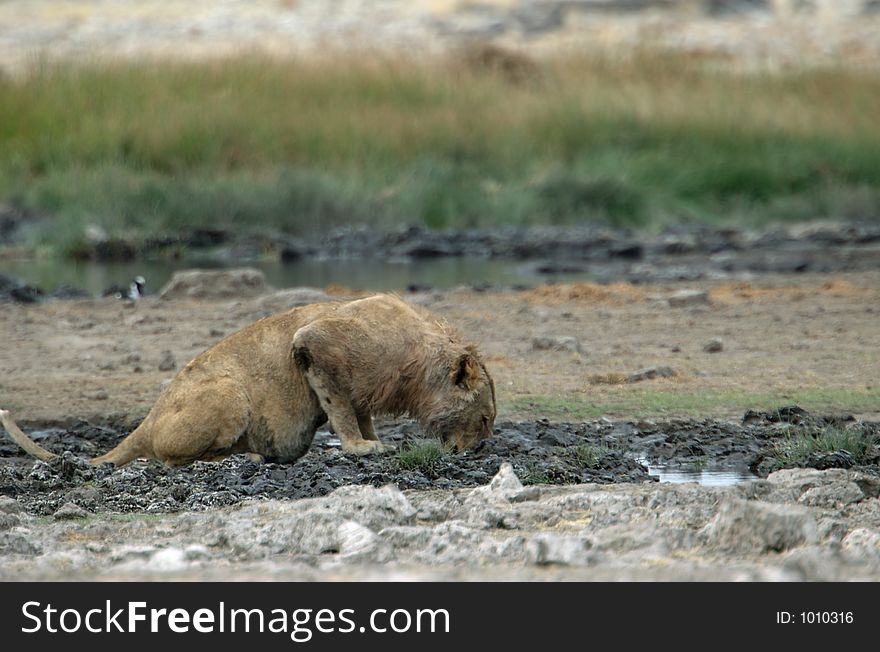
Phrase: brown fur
x=265 y=389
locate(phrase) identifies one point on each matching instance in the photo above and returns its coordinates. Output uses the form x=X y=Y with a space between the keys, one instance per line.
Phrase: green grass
x=797 y=448
x=553 y=407
x=637 y=404
x=256 y=143
x=590 y=455
x=534 y=474
x=420 y=455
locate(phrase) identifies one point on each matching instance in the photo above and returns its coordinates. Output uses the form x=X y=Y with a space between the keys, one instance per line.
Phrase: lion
x=265 y=389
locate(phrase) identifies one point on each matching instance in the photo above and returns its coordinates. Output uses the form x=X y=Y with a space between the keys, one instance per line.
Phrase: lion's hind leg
x=206 y=424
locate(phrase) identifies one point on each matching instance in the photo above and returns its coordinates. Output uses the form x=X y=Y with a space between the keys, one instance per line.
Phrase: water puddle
x=705 y=477
x=358 y=274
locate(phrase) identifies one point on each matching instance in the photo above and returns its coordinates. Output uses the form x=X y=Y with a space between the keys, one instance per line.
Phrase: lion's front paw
x=364 y=447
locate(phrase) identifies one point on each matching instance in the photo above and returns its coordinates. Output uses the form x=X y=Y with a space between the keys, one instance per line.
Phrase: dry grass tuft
x=615 y=293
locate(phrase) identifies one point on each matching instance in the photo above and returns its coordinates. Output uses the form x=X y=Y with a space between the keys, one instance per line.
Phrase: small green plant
x=799 y=446
x=698 y=464
x=420 y=455
x=590 y=455
x=535 y=475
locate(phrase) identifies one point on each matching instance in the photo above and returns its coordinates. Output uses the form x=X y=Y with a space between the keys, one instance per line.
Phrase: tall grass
x=254 y=142
x=799 y=447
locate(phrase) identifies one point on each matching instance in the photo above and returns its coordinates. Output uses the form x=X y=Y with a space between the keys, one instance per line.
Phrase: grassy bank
x=662 y=403
x=478 y=138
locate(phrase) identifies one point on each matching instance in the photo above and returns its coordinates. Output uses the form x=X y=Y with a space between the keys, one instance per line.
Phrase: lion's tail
x=29 y=445
x=134 y=446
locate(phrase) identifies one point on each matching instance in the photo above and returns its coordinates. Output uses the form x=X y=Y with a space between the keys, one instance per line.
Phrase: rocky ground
x=795 y=525
x=540 y=453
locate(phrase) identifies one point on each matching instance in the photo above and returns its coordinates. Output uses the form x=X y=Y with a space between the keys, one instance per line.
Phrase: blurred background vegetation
x=478 y=136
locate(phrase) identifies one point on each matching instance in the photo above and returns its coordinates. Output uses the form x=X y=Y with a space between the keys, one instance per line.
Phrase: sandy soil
x=99 y=359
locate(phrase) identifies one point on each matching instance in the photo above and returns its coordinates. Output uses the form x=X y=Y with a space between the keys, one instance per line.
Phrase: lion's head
x=466 y=415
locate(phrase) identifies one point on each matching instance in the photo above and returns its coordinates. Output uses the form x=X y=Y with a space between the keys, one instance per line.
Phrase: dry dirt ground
x=804 y=339
x=804 y=336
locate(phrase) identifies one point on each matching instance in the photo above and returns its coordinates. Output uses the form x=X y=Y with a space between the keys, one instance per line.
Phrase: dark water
x=357 y=274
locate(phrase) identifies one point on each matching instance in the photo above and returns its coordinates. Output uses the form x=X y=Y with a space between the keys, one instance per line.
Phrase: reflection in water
x=709 y=478
x=356 y=274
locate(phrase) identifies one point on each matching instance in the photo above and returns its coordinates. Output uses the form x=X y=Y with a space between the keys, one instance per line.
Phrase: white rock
x=551 y=548
x=505 y=481
x=504 y=486
x=169 y=559
x=556 y=343
x=835 y=495
x=754 y=527
x=684 y=298
x=862 y=538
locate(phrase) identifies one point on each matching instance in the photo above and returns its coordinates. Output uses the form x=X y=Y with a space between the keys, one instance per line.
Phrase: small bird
x=136 y=289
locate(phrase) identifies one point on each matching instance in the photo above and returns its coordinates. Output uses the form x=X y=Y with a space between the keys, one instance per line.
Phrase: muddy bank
x=795 y=525
x=540 y=453
x=539 y=254
x=683 y=252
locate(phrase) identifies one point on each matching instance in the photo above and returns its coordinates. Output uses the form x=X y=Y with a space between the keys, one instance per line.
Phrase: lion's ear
x=466 y=371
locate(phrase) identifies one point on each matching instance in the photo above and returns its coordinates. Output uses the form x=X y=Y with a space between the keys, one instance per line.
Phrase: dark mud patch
x=541 y=452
